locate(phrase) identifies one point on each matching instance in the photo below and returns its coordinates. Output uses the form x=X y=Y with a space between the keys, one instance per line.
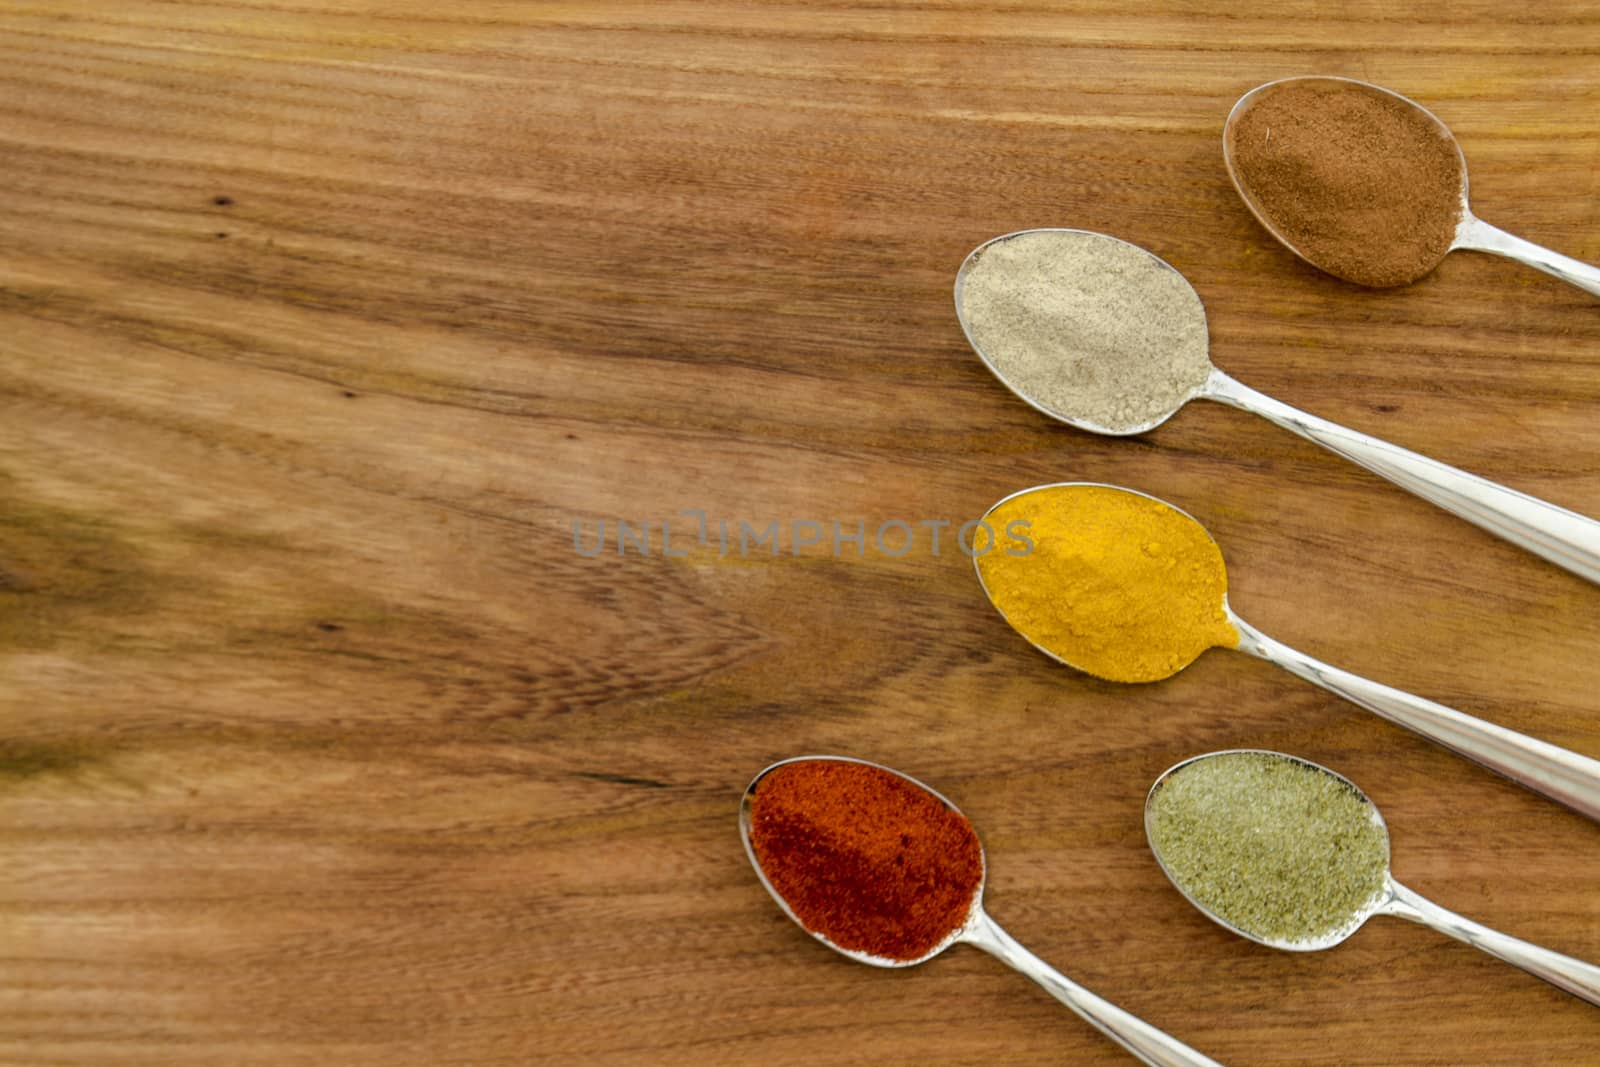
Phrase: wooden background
x=321 y=325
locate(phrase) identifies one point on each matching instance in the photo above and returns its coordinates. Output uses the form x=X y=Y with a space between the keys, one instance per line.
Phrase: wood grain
x=321 y=326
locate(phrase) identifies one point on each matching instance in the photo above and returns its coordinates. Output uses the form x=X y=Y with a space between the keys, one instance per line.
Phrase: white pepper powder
x=1091 y=328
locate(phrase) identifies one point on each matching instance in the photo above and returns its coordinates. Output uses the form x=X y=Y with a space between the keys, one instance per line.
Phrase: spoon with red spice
x=1364 y=183
x=881 y=868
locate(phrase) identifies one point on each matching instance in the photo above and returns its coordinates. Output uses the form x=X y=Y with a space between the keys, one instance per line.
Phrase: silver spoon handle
x=1558 y=773
x=1563 y=537
x=1150 y=1045
x=1475 y=234
x=1573 y=975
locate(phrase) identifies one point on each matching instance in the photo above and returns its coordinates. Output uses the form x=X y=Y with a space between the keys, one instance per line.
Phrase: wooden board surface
x=322 y=325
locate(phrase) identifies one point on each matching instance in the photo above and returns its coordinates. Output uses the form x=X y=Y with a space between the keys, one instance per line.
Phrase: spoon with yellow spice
x=1128 y=588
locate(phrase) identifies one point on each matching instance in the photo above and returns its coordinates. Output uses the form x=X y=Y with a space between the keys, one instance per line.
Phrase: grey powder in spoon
x=1089 y=327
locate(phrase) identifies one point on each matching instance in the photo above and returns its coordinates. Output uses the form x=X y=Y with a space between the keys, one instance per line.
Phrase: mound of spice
x=1089 y=327
x=864 y=857
x=1121 y=586
x=1360 y=182
x=1274 y=846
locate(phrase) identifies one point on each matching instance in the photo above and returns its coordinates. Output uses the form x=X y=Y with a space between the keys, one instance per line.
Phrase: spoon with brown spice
x=885 y=871
x=1289 y=854
x=1101 y=334
x=1364 y=183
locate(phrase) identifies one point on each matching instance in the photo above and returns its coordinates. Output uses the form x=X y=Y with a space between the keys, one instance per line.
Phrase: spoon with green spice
x=1126 y=587
x=1289 y=854
x=1102 y=335
x=888 y=872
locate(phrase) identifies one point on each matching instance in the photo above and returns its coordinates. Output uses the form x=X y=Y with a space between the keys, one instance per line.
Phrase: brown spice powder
x=864 y=857
x=1360 y=183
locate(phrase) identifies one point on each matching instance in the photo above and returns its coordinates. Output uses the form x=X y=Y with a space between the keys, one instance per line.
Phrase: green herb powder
x=1272 y=846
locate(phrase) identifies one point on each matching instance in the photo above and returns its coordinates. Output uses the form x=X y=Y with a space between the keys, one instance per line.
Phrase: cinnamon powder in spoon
x=1358 y=181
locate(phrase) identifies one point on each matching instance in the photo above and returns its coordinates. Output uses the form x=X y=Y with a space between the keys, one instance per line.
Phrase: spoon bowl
x=1352 y=918
x=1231 y=161
x=1388 y=897
x=1142 y=620
x=1470 y=232
x=974 y=915
x=1027 y=389
x=1024 y=577
x=1145 y=1042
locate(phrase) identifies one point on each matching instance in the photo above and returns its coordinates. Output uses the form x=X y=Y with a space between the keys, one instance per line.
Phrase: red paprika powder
x=864 y=857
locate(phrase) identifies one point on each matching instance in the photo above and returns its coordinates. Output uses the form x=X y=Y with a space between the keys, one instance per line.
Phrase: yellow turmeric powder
x=1116 y=584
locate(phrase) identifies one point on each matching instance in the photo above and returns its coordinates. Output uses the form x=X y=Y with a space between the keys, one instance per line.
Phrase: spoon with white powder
x=1105 y=336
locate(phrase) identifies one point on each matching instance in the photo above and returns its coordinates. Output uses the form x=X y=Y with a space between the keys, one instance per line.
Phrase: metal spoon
x=1150 y=1045
x=1573 y=975
x=1563 y=537
x=1472 y=233
x=1560 y=774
